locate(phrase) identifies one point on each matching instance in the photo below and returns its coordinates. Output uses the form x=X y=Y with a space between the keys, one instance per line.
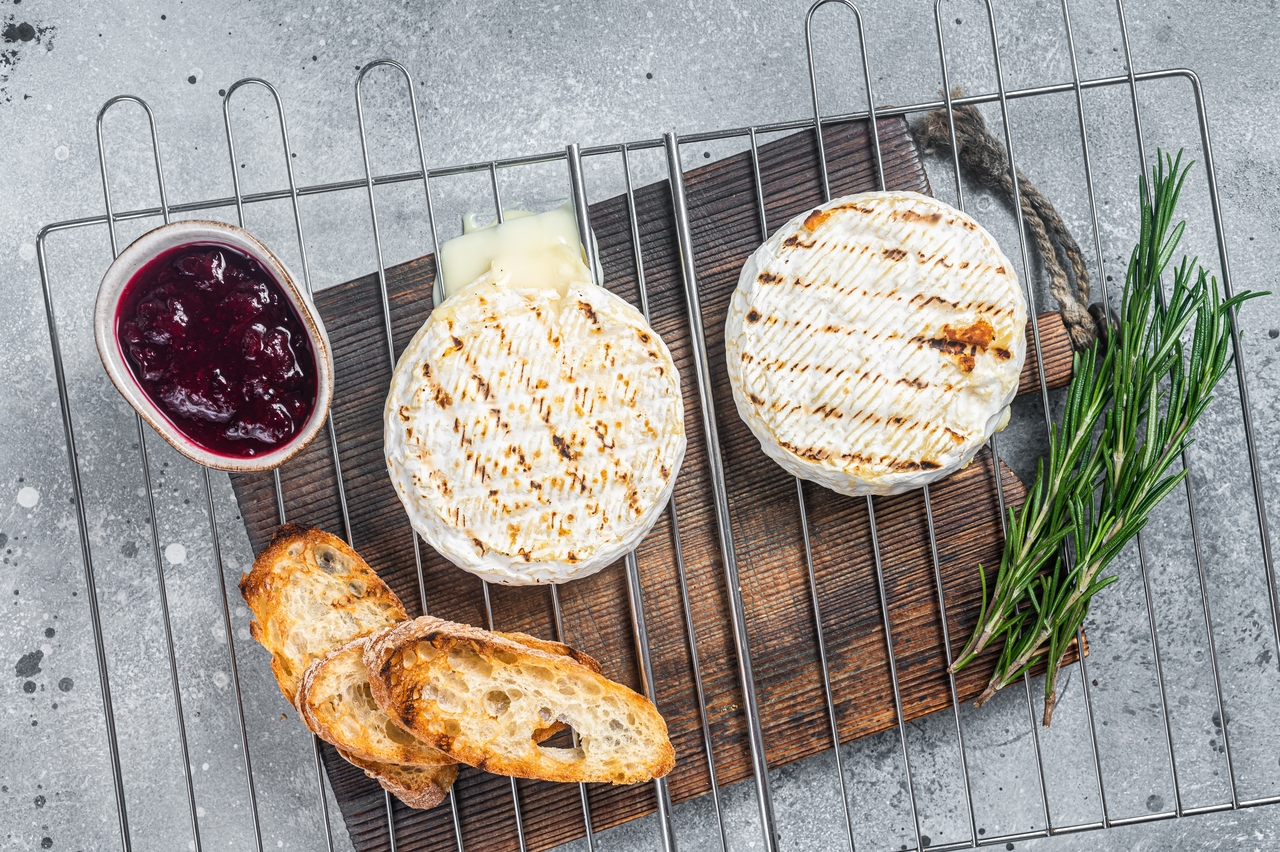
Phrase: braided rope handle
x=982 y=156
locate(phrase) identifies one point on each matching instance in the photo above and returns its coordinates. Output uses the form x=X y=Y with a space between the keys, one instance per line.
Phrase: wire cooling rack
x=670 y=147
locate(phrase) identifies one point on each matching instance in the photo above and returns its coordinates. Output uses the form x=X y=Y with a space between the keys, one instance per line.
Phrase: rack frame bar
x=670 y=144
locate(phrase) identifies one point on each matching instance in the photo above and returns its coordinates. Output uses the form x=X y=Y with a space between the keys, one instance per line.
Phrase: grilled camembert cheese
x=874 y=344
x=534 y=426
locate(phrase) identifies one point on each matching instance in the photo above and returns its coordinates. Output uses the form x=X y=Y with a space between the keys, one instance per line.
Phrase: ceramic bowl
x=137 y=255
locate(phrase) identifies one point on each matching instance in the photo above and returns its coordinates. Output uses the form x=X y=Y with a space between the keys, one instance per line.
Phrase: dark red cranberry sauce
x=211 y=338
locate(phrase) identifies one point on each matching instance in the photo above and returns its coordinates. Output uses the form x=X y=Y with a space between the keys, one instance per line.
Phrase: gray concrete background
x=511 y=78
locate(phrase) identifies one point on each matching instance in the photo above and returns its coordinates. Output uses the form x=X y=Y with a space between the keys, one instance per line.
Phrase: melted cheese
x=540 y=250
x=534 y=427
x=874 y=344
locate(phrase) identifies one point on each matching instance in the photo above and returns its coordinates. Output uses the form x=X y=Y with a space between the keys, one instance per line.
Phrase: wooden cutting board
x=763 y=509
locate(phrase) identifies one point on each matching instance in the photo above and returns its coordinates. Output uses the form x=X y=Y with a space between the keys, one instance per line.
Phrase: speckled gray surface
x=504 y=79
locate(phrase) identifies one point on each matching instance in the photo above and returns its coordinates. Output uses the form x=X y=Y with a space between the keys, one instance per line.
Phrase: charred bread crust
x=557 y=648
x=421 y=787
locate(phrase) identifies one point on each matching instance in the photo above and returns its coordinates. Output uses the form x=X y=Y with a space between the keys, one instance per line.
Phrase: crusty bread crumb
x=487 y=701
x=309 y=593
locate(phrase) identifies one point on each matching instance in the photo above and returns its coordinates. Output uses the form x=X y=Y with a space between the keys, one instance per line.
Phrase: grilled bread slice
x=335 y=702
x=874 y=343
x=309 y=593
x=420 y=787
x=488 y=701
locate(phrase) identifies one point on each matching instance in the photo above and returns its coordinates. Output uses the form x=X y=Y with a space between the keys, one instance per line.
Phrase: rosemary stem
x=1087 y=575
x=1098 y=486
x=1008 y=584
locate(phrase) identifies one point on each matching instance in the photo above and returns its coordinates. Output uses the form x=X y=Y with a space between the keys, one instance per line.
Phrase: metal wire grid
x=670 y=144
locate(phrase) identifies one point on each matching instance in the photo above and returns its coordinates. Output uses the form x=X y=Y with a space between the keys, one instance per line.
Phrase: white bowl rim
x=138 y=254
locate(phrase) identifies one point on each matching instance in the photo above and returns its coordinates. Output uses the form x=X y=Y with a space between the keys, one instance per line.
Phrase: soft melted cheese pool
x=541 y=250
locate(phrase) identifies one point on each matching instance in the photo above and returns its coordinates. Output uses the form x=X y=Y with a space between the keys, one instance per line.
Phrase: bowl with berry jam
x=210 y=338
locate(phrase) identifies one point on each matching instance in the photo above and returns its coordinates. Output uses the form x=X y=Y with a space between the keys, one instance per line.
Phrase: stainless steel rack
x=670 y=146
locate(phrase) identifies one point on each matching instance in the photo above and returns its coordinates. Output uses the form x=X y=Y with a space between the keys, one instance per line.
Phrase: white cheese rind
x=534 y=438
x=874 y=344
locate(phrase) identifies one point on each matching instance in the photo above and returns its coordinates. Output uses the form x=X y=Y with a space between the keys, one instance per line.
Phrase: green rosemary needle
x=1128 y=418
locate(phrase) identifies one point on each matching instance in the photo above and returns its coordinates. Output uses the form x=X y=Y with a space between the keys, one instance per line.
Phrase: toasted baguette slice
x=335 y=703
x=309 y=593
x=486 y=700
x=420 y=787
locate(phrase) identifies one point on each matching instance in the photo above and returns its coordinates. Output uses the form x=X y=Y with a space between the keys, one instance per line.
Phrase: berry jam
x=211 y=338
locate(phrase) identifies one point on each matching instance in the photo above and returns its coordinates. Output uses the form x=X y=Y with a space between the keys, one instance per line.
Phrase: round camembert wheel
x=534 y=433
x=874 y=344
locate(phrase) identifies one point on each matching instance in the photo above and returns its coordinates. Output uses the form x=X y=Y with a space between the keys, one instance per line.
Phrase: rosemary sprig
x=1128 y=418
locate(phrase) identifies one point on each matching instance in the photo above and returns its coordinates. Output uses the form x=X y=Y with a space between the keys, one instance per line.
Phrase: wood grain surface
x=764 y=512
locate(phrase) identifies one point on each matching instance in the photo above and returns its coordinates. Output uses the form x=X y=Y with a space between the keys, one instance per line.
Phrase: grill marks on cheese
x=866 y=318
x=541 y=426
